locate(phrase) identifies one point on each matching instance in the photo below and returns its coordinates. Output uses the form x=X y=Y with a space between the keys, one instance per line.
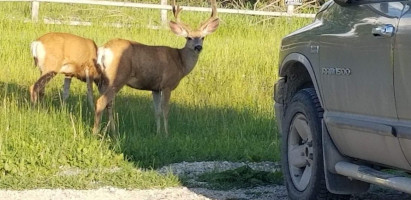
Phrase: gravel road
x=190 y=170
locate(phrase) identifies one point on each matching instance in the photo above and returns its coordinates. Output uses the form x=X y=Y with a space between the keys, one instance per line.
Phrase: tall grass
x=221 y=111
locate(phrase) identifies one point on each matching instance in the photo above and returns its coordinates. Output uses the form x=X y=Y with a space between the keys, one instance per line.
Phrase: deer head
x=195 y=37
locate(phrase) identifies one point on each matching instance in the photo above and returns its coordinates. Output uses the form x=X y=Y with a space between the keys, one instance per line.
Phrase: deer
x=158 y=69
x=64 y=53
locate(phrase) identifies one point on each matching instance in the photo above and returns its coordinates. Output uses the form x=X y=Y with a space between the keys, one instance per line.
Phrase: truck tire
x=302 y=155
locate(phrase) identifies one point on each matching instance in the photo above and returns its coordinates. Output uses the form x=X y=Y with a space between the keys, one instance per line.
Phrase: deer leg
x=66 y=87
x=165 y=98
x=89 y=90
x=157 y=108
x=111 y=120
x=102 y=86
x=41 y=90
x=101 y=104
x=38 y=87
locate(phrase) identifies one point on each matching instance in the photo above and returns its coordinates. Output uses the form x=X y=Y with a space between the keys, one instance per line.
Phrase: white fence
x=162 y=6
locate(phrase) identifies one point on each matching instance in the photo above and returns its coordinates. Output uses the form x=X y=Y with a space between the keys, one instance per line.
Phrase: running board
x=373 y=176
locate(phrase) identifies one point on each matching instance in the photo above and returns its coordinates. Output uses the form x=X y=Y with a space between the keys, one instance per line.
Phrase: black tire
x=302 y=155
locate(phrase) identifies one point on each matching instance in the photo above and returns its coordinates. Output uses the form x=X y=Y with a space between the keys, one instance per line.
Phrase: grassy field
x=223 y=110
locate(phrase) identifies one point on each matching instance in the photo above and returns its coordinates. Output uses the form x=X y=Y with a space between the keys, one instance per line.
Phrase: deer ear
x=177 y=29
x=210 y=27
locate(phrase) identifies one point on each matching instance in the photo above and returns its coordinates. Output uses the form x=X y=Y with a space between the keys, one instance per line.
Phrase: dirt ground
x=190 y=170
x=179 y=193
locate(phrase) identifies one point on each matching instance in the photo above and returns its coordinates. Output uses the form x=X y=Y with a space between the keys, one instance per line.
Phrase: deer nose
x=198 y=48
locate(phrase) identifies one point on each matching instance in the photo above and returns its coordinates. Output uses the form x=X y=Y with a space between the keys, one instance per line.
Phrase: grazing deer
x=67 y=54
x=155 y=68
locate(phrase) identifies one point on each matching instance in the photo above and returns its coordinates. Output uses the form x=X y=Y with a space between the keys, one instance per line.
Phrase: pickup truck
x=343 y=100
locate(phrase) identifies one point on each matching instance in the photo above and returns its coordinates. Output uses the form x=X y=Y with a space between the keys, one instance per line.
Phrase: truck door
x=356 y=60
x=402 y=77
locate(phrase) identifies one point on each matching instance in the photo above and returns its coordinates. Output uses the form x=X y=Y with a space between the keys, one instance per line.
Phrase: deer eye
x=202 y=38
x=189 y=38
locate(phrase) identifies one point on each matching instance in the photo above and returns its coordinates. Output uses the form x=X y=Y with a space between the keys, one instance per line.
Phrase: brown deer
x=155 y=68
x=67 y=54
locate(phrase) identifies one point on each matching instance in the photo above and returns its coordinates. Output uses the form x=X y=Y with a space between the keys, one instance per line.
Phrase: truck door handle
x=386 y=30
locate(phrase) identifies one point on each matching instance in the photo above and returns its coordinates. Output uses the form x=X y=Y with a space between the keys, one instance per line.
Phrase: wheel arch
x=296 y=73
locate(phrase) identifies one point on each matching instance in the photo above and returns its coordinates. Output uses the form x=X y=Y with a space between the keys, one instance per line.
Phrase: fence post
x=290 y=9
x=35 y=5
x=164 y=13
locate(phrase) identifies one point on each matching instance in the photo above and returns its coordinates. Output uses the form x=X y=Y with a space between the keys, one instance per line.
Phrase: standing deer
x=155 y=68
x=67 y=54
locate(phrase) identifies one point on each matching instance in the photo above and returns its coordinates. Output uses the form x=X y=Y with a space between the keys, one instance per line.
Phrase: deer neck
x=189 y=59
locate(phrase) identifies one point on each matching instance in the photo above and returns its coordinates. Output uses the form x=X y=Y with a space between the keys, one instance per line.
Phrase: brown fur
x=65 y=49
x=144 y=67
x=155 y=68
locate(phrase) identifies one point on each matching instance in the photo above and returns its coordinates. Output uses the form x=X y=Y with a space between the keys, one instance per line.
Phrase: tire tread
x=321 y=192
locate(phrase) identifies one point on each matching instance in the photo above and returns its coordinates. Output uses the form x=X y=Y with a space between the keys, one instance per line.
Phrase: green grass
x=223 y=110
x=242 y=177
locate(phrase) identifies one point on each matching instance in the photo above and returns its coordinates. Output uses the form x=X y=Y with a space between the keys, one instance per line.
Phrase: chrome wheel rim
x=300 y=152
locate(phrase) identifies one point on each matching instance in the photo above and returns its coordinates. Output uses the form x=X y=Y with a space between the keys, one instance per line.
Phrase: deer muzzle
x=198 y=48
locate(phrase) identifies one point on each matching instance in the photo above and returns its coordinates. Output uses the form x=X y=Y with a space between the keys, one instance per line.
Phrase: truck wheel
x=302 y=155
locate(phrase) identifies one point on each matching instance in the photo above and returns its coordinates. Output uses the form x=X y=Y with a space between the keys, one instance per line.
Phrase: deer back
x=141 y=66
x=68 y=54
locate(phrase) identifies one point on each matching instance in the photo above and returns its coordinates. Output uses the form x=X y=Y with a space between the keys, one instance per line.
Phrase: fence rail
x=163 y=7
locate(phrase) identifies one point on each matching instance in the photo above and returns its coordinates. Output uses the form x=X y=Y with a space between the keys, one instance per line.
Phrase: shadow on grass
x=199 y=134
x=53 y=97
x=196 y=134
x=15 y=90
x=242 y=177
x=205 y=133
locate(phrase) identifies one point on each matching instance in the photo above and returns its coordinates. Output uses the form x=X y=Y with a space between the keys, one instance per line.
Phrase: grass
x=221 y=111
x=242 y=177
